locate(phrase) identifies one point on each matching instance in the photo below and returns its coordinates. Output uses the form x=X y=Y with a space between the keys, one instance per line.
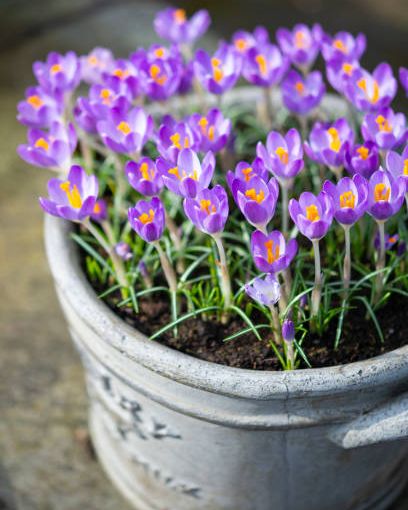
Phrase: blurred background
x=46 y=462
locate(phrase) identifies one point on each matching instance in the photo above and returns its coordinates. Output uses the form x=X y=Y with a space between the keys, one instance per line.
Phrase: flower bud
x=288 y=330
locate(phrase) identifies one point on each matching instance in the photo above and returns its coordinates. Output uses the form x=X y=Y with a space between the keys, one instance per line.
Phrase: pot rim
x=70 y=280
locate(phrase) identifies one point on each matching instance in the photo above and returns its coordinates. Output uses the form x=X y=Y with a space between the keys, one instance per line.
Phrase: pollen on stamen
x=262 y=64
x=363 y=152
x=381 y=192
x=347 y=199
x=42 y=143
x=272 y=254
x=283 y=155
x=124 y=127
x=180 y=16
x=35 y=101
x=56 y=68
x=335 y=142
x=247 y=173
x=339 y=45
x=405 y=170
x=240 y=44
x=300 y=87
x=147 y=218
x=256 y=197
x=312 y=213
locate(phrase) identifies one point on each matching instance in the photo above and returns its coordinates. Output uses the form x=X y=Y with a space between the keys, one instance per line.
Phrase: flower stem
x=276 y=326
x=347 y=258
x=380 y=262
x=290 y=355
x=285 y=222
x=225 y=282
x=317 y=289
x=175 y=237
x=120 y=189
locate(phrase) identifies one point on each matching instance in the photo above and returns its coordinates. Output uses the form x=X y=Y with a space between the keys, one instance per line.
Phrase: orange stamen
x=300 y=87
x=180 y=16
x=247 y=173
x=347 y=199
x=240 y=44
x=253 y=195
x=42 y=143
x=283 y=155
x=147 y=218
x=271 y=253
x=335 y=142
x=383 y=124
x=300 y=39
x=339 y=45
x=312 y=213
x=348 y=68
x=73 y=195
x=56 y=68
x=363 y=152
x=124 y=127
x=105 y=96
x=381 y=192
x=207 y=206
x=35 y=101
x=262 y=64
x=405 y=171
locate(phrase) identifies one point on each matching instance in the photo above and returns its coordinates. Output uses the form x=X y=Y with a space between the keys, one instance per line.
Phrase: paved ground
x=45 y=463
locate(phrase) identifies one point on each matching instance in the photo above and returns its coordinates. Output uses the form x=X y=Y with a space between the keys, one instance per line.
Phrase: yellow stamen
x=97 y=208
x=42 y=143
x=240 y=44
x=312 y=213
x=124 y=127
x=335 y=142
x=144 y=170
x=175 y=139
x=363 y=152
x=211 y=133
x=391 y=239
x=175 y=171
x=381 y=192
x=73 y=195
x=405 y=171
x=300 y=87
x=56 y=68
x=203 y=122
x=92 y=60
x=339 y=45
x=121 y=73
x=207 y=206
x=300 y=39
x=347 y=199
x=35 y=101
x=262 y=64
x=155 y=74
x=283 y=155
x=348 y=68
x=271 y=253
x=362 y=84
x=247 y=173
x=215 y=62
x=105 y=96
x=159 y=52
x=147 y=218
x=180 y=16
x=253 y=195
x=383 y=124
x=218 y=73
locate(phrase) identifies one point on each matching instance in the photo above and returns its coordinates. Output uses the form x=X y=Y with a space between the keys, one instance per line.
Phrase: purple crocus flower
x=144 y=177
x=288 y=330
x=126 y=133
x=245 y=172
x=339 y=72
x=123 y=250
x=270 y=252
x=385 y=195
x=148 y=219
x=39 y=109
x=208 y=211
x=343 y=46
x=283 y=155
x=188 y=176
x=328 y=143
x=123 y=74
x=265 y=290
x=362 y=159
x=97 y=62
x=349 y=196
x=72 y=198
x=312 y=214
x=397 y=164
x=59 y=74
x=219 y=73
x=300 y=95
x=264 y=65
x=51 y=149
x=256 y=199
x=172 y=24
x=174 y=136
x=371 y=92
x=213 y=130
x=186 y=78
x=244 y=41
x=100 y=211
x=389 y=241
x=403 y=76
x=301 y=44
x=385 y=128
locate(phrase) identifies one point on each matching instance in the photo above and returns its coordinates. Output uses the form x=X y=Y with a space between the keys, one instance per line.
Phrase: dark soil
x=204 y=339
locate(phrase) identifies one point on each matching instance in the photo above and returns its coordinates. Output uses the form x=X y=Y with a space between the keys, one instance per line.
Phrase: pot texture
x=177 y=433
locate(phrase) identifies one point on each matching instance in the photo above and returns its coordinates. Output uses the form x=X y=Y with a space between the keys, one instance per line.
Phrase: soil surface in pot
x=204 y=339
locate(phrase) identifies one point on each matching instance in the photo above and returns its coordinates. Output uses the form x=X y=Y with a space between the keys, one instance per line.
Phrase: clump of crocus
x=350 y=198
x=313 y=216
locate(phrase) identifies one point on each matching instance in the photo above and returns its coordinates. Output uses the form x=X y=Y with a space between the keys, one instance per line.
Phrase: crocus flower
x=300 y=95
x=339 y=72
x=301 y=44
x=100 y=211
x=385 y=128
x=288 y=330
x=123 y=74
x=245 y=172
x=312 y=214
x=349 y=197
x=256 y=199
x=174 y=136
x=51 y=149
x=72 y=198
x=328 y=143
x=385 y=195
x=397 y=164
x=208 y=211
x=219 y=73
x=160 y=71
x=144 y=177
x=212 y=129
x=123 y=250
x=389 y=241
x=371 y=92
x=188 y=176
x=264 y=65
x=172 y=24
x=283 y=154
x=59 y=74
x=244 y=41
x=126 y=133
x=270 y=252
x=186 y=78
x=97 y=62
x=264 y=290
x=403 y=76
x=39 y=109
x=362 y=159
x=343 y=46
x=147 y=218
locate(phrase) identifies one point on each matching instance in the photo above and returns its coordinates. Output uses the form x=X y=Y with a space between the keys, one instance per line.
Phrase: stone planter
x=177 y=433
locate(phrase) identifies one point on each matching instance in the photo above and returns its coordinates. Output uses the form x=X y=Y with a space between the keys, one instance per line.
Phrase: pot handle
x=385 y=423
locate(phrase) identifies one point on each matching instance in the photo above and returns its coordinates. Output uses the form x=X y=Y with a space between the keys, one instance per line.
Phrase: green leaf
x=372 y=315
x=91 y=251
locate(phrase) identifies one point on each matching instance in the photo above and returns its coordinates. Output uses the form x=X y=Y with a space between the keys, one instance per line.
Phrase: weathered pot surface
x=177 y=433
